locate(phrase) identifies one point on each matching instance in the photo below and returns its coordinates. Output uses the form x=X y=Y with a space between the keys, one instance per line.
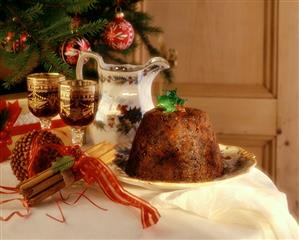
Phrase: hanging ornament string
x=118 y=8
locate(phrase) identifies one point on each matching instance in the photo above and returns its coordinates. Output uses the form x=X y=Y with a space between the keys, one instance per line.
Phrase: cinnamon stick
x=32 y=191
x=46 y=193
x=36 y=179
x=99 y=150
x=108 y=156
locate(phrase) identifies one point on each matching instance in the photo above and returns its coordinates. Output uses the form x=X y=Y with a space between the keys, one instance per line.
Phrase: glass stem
x=77 y=135
x=45 y=123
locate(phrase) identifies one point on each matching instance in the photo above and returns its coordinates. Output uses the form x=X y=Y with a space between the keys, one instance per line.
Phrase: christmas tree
x=33 y=35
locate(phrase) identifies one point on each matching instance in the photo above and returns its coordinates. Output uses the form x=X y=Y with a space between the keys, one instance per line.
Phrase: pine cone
x=20 y=154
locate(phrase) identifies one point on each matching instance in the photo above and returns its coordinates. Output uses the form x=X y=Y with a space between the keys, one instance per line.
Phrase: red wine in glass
x=78 y=105
x=42 y=96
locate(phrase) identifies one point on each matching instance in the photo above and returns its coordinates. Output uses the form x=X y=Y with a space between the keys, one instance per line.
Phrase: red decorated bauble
x=119 y=34
x=15 y=42
x=71 y=48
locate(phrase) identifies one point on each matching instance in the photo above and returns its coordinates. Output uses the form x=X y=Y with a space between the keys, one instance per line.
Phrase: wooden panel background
x=228 y=65
x=288 y=103
x=232 y=43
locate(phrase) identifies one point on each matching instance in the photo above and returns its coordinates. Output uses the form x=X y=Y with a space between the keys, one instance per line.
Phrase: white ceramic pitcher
x=126 y=95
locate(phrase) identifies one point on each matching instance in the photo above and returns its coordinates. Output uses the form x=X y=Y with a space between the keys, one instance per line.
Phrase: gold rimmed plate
x=237 y=161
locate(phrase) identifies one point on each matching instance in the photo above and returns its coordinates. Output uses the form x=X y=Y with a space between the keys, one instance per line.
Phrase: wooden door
x=235 y=64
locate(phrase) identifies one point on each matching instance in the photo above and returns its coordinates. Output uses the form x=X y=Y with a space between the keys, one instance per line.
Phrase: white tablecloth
x=181 y=211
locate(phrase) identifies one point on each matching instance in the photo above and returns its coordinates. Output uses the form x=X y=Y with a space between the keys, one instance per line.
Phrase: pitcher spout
x=155 y=65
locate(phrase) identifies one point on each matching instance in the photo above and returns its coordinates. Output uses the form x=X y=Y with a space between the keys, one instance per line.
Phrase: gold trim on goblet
x=78 y=105
x=42 y=96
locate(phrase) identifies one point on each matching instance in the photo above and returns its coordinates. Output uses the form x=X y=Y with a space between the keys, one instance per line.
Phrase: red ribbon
x=18 y=213
x=95 y=171
x=13 y=190
x=92 y=171
x=64 y=200
x=14 y=111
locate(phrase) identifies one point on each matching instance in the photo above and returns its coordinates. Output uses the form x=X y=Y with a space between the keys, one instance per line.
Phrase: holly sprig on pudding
x=171 y=102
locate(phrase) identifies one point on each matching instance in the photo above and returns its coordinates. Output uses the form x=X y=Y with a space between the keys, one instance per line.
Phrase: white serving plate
x=237 y=161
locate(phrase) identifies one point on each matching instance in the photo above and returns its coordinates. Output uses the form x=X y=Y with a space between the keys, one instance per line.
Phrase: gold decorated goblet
x=78 y=105
x=42 y=96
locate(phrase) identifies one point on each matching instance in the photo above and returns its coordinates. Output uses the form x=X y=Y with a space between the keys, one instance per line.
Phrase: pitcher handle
x=81 y=61
x=150 y=71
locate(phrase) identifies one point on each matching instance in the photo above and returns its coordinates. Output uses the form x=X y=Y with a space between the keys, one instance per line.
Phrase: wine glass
x=78 y=105
x=42 y=96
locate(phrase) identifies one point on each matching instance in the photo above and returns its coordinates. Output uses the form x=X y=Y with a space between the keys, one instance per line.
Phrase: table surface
x=84 y=221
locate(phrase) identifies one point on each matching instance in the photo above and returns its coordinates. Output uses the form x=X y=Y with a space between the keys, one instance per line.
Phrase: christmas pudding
x=176 y=145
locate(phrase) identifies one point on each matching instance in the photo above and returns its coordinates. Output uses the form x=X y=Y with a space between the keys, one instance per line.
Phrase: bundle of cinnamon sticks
x=48 y=182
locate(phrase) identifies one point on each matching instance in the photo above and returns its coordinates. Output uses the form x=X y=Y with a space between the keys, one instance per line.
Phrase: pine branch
x=52 y=29
x=48 y=23
x=152 y=50
x=141 y=21
x=31 y=14
x=26 y=60
x=71 y=6
x=80 y=6
x=53 y=63
x=92 y=28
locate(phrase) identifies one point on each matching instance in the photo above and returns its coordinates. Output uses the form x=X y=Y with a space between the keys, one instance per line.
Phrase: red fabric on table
x=22 y=129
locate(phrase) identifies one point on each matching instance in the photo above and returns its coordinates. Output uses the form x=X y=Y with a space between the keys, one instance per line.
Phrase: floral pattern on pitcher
x=128 y=119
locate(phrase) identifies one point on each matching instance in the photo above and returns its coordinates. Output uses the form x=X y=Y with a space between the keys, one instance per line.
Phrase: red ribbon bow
x=13 y=111
x=92 y=171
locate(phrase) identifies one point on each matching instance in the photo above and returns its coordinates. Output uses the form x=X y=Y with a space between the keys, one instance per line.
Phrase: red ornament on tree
x=14 y=42
x=119 y=34
x=71 y=48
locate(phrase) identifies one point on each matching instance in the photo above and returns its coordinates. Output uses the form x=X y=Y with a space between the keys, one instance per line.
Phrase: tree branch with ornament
x=47 y=36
